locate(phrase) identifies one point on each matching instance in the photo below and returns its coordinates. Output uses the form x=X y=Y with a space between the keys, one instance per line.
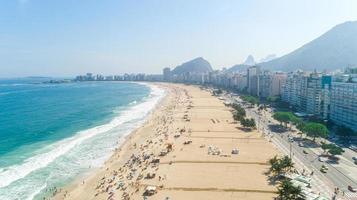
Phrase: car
x=354 y=158
x=304 y=151
x=352 y=189
x=321 y=160
x=324 y=167
x=323 y=170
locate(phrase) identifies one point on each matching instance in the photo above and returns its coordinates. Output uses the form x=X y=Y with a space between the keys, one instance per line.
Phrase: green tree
x=332 y=149
x=296 y=121
x=287 y=191
x=272 y=98
x=275 y=167
x=314 y=130
x=325 y=146
x=238 y=109
x=238 y=113
x=250 y=99
x=282 y=117
x=248 y=123
x=335 y=150
x=299 y=124
x=279 y=166
x=237 y=116
x=287 y=163
x=251 y=123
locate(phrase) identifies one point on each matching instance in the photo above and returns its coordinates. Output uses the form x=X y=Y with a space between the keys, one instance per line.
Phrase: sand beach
x=183 y=151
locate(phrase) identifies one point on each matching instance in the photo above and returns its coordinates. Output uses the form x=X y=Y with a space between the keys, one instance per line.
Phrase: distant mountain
x=333 y=50
x=242 y=67
x=238 y=68
x=249 y=61
x=268 y=58
x=198 y=65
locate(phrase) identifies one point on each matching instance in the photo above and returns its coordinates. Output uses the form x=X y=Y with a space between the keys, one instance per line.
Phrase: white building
x=271 y=84
x=343 y=100
x=313 y=94
x=294 y=90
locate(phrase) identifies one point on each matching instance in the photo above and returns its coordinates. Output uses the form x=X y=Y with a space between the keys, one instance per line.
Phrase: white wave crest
x=141 y=110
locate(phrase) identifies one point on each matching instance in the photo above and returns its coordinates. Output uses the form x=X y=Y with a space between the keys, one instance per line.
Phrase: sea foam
x=133 y=116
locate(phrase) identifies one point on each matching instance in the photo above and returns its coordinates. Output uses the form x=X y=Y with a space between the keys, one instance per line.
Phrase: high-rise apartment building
x=308 y=93
x=166 y=74
x=240 y=82
x=253 y=80
x=326 y=81
x=270 y=84
x=295 y=90
x=313 y=94
x=343 y=103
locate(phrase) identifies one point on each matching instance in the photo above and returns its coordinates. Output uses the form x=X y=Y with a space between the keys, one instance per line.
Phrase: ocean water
x=52 y=133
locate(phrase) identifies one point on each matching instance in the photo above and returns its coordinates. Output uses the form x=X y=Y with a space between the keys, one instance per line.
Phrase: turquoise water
x=51 y=133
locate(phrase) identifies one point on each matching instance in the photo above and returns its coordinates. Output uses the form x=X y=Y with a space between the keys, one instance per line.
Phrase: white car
x=323 y=159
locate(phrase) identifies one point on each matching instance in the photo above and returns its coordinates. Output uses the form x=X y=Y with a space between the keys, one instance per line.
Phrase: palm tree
x=287 y=163
x=274 y=165
x=279 y=166
x=287 y=191
x=273 y=160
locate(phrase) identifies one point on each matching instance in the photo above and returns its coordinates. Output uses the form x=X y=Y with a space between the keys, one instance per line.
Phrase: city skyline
x=59 y=39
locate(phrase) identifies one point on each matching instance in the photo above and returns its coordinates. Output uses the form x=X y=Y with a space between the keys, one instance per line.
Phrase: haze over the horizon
x=65 y=38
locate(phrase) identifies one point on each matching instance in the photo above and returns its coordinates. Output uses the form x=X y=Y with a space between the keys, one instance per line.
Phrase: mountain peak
x=335 y=49
x=249 y=61
x=197 y=65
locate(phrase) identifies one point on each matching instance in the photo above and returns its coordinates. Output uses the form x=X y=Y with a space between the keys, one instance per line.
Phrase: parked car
x=323 y=169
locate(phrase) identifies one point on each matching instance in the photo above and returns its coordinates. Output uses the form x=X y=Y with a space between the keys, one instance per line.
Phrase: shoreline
x=58 y=163
x=169 y=153
x=93 y=172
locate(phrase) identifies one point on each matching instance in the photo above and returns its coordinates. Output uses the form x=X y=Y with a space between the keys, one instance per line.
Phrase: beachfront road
x=338 y=175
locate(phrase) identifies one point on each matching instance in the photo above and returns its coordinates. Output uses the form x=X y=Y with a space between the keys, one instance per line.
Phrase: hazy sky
x=67 y=37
